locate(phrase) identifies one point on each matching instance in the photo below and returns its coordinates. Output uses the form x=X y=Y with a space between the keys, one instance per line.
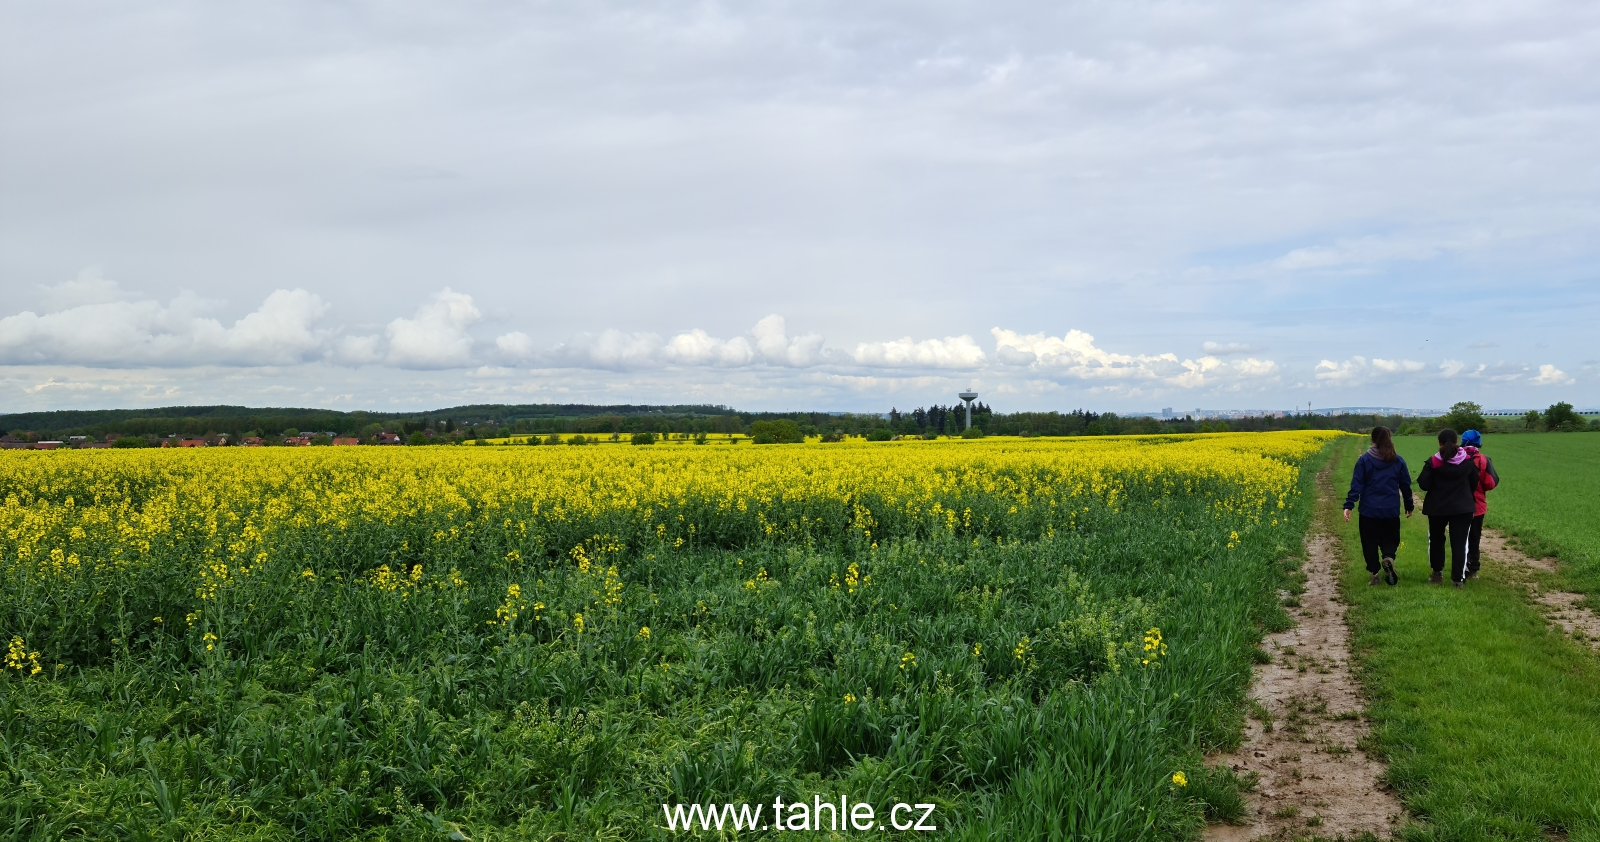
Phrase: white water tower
x=968 y=396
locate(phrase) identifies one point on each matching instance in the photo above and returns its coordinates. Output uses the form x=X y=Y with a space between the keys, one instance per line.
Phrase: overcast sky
x=840 y=206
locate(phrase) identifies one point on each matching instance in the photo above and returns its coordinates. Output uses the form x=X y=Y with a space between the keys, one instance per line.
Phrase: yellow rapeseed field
x=224 y=513
x=541 y=642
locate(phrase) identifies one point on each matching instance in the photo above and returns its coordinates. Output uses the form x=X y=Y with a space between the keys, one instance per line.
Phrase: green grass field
x=1550 y=501
x=1490 y=721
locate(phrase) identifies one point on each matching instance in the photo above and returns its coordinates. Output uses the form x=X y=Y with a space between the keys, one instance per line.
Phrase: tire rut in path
x=1562 y=609
x=1313 y=777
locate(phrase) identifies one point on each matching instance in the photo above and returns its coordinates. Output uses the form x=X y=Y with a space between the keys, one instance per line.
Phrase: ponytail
x=1447 y=443
x=1383 y=440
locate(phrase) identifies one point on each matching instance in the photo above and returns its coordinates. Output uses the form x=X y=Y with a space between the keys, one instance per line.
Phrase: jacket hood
x=1461 y=456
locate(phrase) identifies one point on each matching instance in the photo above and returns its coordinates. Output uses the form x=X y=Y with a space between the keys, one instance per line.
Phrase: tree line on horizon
x=498 y=421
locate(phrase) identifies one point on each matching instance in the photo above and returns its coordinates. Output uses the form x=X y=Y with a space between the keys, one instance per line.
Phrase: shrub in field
x=782 y=431
x=1035 y=636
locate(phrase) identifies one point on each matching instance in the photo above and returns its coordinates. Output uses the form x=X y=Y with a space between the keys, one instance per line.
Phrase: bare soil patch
x=1562 y=609
x=1306 y=726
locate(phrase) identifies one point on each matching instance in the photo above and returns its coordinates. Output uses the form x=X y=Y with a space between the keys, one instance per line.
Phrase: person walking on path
x=1450 y=478
x=1380 y=481
x=1488 y=479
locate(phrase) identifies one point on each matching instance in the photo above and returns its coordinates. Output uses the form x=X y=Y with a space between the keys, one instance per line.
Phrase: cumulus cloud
x=114 y=333
x=612 y=349
x=950 y=352
x=357 y=350
x=768 y=343
x=1359 y=370
x=700 y=348
x=1075 y=355
x=1549 y=375
x=777 y=348
x=90 y=287
x=437 y=336
x=515 y=346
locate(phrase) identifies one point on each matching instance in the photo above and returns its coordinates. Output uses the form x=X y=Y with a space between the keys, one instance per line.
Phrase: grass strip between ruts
x=1490 y=721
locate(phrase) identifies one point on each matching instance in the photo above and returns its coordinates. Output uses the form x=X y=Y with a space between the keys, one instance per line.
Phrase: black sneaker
x=1388 y=572
x=1472 y=574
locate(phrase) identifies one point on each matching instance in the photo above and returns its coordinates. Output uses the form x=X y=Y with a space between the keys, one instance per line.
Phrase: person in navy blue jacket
x=1381 y=480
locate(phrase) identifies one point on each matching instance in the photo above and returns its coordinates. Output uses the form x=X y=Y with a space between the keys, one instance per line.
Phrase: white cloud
x=357 y=350
x=1359 y=370
x=90 y=287
x=1223 y=349
x=700 y=348
x=768 y=343
x=1362 y=252
x=1075 y=355
x=950 y=352
x=777 y=348
x=612 y=349
x=1549 y=375
x=437 y=336
x=116 y=333
x=515 y=346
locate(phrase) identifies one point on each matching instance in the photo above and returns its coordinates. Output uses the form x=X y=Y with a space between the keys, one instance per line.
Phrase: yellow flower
x=644 y=633
x=908 y=660
x=20 y=659
x=1180 y=779
x=849 y=698
x=577 y=622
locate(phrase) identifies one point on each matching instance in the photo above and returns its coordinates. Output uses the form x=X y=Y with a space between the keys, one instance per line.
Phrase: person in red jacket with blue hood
x=1380 y=481
x=1450 y=479
x=1472 y=442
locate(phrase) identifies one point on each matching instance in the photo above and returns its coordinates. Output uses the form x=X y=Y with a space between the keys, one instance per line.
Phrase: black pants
x=1474 y=537
x=1459 y=526
x=1380 y=539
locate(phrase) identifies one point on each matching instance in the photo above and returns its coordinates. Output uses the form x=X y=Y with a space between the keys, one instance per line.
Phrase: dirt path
x=1561 y=608
x=1306 y=725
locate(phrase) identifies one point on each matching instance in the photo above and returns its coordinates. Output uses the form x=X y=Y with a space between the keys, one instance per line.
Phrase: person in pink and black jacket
x=1450 y=480
x=1488 y=479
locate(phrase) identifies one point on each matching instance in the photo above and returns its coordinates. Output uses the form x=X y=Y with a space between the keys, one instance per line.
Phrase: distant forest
x=498 y=420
